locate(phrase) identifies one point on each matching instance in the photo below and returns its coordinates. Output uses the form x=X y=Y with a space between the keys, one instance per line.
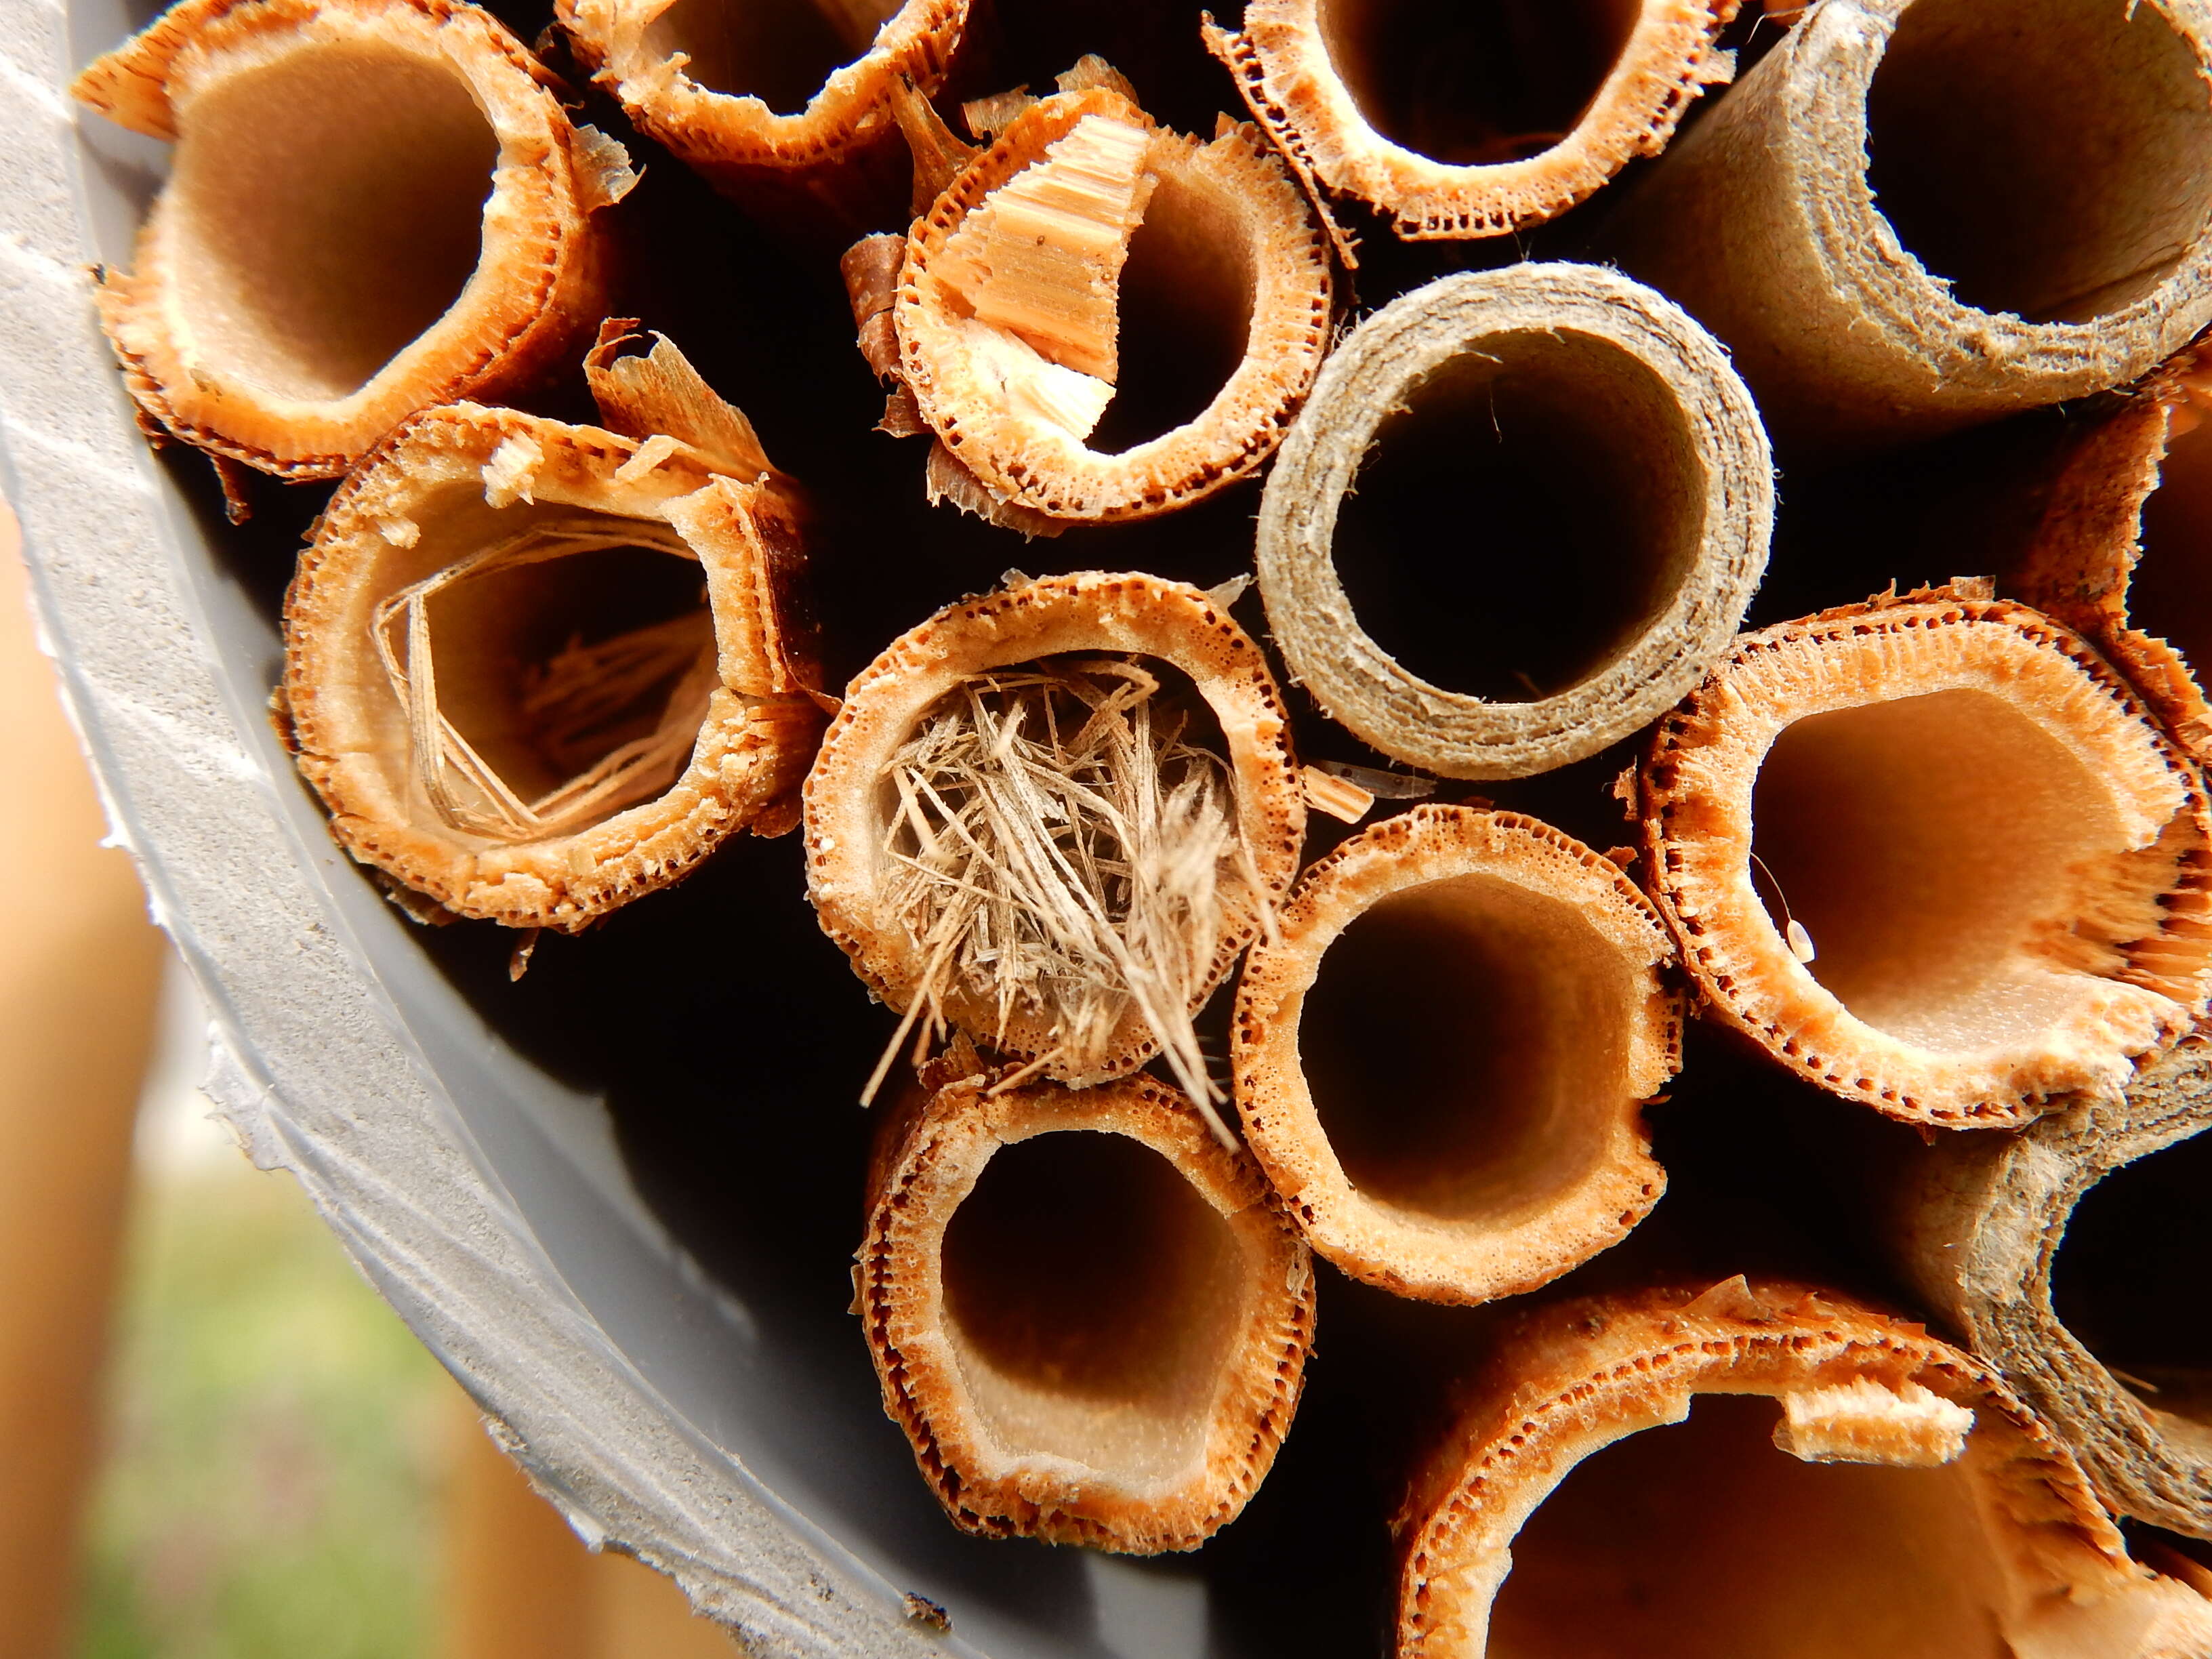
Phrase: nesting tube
x=1051 y=817
x=1090 y=1316
x=535 y=671
x=784 y=104
x=374 y=206
x=1763 y=1471
x=2073 y=1257
x=1101 y=319
x=1441 y=1061
x=1475 y=123
x=1565 y=519
x=1914 y=215
x=1929 y=854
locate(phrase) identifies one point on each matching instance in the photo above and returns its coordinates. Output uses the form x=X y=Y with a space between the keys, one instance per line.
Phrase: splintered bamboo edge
x=1533 y=906
x=389 y=119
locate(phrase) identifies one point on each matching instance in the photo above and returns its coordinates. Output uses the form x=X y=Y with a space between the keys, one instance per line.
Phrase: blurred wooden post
x=79 y=967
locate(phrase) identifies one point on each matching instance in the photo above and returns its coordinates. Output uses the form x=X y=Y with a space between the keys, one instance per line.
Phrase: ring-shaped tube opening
x=780 y=51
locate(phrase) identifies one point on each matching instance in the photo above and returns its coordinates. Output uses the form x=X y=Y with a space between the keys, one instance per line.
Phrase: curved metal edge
x=312 y=1067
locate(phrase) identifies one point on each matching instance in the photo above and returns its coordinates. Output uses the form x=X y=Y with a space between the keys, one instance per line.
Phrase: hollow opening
x=1701 y=1538
x=326 y=208
x=1938 y=850
x=1524 y=517
x=1093 y=1298
x=1184 y=310
x=780 y=51
x=1472 y=82
x=2132 y=1279
x=1466 y=1044
x=2053 y=158
x=578 y=678
x=2170 y=590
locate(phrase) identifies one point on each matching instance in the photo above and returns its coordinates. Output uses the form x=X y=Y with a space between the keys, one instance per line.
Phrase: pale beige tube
x=1914 y=215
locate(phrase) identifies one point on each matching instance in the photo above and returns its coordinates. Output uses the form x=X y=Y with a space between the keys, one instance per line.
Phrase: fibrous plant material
x=1100 y=319
x=1769 y=1472
x=1441 y=1062
x=2073 y=1257
x=1090 y=1318
x=1606 y=464
x=1471 y=121
x=2118 y=549
x=1015 y=829
x=786 y=105
x=1913 y=215
x=1931 y=855
x=374 y=206
x=536 y=671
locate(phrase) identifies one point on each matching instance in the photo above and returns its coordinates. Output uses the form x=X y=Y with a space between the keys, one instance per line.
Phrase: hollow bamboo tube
x=1090 y=1318
x=1844 y=1484
x=444 y=700
x=1914 y=215
x=962 y=660
x=374 y=206
x=1472 y=126
x=784 y=104
x=2118 y=550
x=1622 y=446
x=1441 y=1062
x=1929 y=854
x=1988 y=1228
x=1100 y=319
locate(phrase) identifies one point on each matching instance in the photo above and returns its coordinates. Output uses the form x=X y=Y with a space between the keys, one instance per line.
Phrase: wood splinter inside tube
x=1090 y=1318
x=1767 y=1472
x=1459 y=120
x=1520 y=514
x=536 y=671
x=1052 y=817
x=1914 y=215
x=1929 y=854
x=1441 y=1062
x=2075 y=1257
x=374 y=206
x=1101 y=319
x=785 y=103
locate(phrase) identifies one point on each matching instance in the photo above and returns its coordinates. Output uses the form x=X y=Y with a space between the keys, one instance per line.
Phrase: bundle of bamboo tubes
x=1200 y=961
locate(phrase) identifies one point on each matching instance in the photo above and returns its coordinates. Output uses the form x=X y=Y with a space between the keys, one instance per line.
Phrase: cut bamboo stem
x=1763 y=1470
x=1100 y=319
x=786 y=106
x=1094 y=896
x=374 y=206
x=1090 y=1318
x=1473 y=123
x=536 y=671
x=1623 y=461
x=1979 y=883
x=1914 y=215
x=2114 y=1351
x=1441 y=1062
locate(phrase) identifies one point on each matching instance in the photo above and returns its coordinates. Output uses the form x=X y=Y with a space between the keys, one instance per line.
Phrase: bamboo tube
x=1979 y=884
x=523 y=772
x=1098 y=318
x=2118 y=550
x=2072 y=1257
x=1090 y=1318
x=1441 y=1062
x=784 y=104
x=1627 y=477
x=1096 y=930
x=1844 y=1484
x=1914 y=215
x=374 y=206
x=1475 y=123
